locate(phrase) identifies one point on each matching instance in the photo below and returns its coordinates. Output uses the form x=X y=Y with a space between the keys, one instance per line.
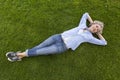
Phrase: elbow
x=86 y=13
x=105 y=43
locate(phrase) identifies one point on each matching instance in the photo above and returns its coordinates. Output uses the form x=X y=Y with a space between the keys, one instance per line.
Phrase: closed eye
x=96 y=26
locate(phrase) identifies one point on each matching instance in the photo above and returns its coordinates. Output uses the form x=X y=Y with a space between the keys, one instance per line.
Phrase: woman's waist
x=64 y=41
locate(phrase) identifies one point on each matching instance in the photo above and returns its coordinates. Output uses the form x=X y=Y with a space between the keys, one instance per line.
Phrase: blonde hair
x=99 y=23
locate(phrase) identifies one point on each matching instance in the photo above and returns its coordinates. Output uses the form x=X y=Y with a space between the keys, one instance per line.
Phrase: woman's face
x=94 y=28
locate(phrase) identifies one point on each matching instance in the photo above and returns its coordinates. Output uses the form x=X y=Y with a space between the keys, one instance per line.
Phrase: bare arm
x=100 y=36
x=90 y=19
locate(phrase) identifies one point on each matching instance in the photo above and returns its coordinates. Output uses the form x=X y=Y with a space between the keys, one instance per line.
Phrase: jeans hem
x=27 y=53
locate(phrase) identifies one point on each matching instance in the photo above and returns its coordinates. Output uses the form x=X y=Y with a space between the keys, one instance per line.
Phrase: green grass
x=26 y=23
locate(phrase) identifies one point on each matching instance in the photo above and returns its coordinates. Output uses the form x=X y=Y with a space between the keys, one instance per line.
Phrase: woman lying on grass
x=70 y=39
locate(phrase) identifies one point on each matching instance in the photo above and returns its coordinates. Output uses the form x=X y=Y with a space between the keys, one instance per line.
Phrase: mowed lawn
x=26 y=23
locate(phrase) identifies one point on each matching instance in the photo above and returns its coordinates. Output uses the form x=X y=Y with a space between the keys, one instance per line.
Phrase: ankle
x=21 y=55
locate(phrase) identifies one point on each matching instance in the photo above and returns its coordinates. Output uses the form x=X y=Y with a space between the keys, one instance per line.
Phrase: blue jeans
x=52 y=45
